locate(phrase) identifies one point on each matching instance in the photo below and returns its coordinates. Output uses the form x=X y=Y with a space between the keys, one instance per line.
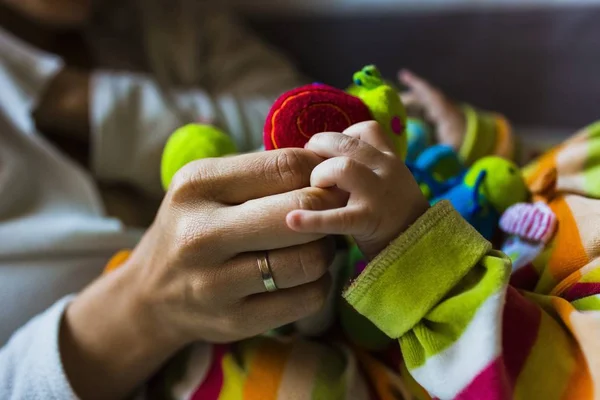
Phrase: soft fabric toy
x=490 y=186
x=418 y=137
x=192 y=142
x=300 y=113
x=437 y=169
x=533 y=222
x=385 y=105
x=530 y=226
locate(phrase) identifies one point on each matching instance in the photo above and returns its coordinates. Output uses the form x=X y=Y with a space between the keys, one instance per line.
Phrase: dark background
x=541 y=67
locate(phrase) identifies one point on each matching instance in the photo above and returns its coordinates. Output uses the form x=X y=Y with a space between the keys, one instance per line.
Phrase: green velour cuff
x=417 y=270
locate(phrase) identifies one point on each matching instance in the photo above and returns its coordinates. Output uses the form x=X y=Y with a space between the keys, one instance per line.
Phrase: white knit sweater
x=54 y=235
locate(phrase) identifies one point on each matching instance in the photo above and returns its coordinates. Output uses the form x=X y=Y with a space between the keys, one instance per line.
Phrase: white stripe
x=356 y=387
x=525 y=223
x=543 y=227
x=446 y=374
x=197 y=367
x=535 y=225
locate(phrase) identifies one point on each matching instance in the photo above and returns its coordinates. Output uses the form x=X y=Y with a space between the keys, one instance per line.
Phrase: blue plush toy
x=490 y=186
x=418 y=137
x=473 y=206
x=437 y=169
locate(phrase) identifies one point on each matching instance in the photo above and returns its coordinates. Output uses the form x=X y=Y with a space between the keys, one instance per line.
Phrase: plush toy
x=385 y=105
x=300 y=113
x=192 y=142
x=530 y=227
x=418 y=137
x=490 y=186
x=437 y=169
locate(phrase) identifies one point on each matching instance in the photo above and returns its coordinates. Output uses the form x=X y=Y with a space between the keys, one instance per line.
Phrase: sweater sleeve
x=464 y=332
x=30 y=364
x=132 y=120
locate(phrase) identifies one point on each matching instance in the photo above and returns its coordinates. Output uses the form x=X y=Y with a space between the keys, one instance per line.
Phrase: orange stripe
x=541 y=176
x=266 y=370
x=580 y=385
x=568 y=254
x=566 y=284
x=117 y=260
x=386 y=385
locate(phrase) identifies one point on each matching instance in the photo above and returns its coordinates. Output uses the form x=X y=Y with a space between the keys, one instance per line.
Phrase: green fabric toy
x=503 y=185
x=384 y=103
x=489 y=187
x=190 y=143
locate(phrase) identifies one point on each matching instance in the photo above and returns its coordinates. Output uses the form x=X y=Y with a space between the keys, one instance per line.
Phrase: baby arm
x=443 y=293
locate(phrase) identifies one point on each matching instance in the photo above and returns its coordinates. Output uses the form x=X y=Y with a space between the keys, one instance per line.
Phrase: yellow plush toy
x=190 y=143
x=384 y=104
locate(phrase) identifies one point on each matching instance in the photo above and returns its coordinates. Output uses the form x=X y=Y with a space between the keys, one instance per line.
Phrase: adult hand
x=195 y=276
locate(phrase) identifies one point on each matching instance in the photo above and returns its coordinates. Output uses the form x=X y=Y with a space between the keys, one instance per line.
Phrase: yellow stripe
x=233 y=379
x=550 y=361
x=585 y=327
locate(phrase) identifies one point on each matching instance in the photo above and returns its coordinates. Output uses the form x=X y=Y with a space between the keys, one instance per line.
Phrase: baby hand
x=384 y=199
x=446 y=115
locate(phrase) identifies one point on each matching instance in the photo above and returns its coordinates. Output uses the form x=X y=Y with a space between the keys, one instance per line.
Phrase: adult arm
x=193 y=277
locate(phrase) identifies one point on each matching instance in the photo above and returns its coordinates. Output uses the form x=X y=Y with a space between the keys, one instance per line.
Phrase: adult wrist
x=109 y=335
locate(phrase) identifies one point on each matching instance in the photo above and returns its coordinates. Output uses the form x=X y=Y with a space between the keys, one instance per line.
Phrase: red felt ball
x=302 y=112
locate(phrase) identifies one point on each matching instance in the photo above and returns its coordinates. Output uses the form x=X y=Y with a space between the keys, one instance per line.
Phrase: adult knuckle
x=194 y=233
x=231 y=324
x=314 y=262
x=192 y=180
x=201 y=287
x=315 y=296
x=290 y=167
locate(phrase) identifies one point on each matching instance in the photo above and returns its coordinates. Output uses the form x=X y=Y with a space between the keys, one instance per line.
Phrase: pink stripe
x=541 y=225
x=520 y=326
x=210 y=388
x=519 y=216
x=532 y=228
x=515 y=219
x=581 y=290
x=490 y=384
x=526 y=222
x=544 y=227
x=525 y=278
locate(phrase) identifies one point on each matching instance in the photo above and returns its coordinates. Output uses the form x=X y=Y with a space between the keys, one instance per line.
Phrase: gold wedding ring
x=265 y=272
